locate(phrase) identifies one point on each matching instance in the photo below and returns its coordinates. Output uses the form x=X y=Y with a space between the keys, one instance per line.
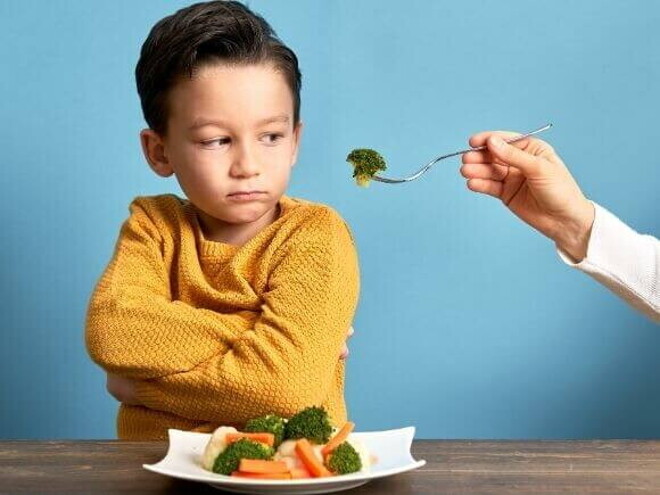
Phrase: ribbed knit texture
x=216 y=334
x=624 y=261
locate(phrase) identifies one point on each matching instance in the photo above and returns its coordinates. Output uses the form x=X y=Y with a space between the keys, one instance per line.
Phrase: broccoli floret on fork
x=367 y=163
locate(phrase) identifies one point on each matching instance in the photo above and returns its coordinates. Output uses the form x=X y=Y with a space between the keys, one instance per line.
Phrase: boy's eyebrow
x=278 y=118
x=220 y=123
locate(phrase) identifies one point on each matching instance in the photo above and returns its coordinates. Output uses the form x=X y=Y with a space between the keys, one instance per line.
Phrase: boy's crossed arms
x=220 y=367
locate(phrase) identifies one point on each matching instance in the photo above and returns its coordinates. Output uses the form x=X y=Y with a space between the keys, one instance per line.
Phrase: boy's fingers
x=486 y=186
x=484 y=171
x=344 y=352
x=527 y=163
x=351 y=331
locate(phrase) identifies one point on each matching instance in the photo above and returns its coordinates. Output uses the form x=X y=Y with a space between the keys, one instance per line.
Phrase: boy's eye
x=215 y=143
x=272 y=137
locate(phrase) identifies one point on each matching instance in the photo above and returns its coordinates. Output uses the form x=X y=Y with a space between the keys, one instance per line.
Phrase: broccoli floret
x=367 y=163
x=311 y=423
x=227 y=461
x=268 y=424
x=344 y=460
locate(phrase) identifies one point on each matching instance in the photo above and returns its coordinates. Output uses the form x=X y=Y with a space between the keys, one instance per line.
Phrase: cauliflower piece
x=287 y=453
x=216 y=446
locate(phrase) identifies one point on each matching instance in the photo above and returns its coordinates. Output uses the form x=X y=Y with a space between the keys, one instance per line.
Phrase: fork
x=426 y=167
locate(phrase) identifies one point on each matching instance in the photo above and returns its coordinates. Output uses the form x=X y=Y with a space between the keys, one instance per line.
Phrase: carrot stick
x=267 y=438
x=309 y=459
x=262 y=476
x=339 y=438
x=258 y=466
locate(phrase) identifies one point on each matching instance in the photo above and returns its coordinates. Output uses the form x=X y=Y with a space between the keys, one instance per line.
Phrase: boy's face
x=231 y=141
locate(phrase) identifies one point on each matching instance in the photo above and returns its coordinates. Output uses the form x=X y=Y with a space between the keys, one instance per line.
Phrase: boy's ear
x=154 y=151
x=297 y=133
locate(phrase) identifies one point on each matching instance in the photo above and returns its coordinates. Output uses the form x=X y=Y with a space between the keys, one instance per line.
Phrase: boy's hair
x=203 y=34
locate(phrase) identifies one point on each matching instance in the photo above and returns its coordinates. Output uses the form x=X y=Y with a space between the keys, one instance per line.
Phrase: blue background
x=469 y=325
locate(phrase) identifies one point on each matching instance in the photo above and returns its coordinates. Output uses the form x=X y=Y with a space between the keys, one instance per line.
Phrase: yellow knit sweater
x=216 y=334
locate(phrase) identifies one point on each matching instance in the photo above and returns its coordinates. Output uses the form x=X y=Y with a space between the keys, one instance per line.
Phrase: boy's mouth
x=246 y=195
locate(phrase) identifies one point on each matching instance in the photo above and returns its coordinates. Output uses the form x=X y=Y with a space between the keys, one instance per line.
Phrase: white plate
x=392 y=449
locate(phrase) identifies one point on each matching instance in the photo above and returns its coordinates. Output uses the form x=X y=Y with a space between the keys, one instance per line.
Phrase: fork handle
x=512 y=140
x=425 y=168
x=480 y=148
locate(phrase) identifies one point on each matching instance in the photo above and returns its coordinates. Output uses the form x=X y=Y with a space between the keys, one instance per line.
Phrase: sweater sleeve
x=624 y=261
x=134 y=328
x=289 y=360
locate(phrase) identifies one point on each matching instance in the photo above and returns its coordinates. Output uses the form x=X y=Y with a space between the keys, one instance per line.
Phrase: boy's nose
x=245 y=164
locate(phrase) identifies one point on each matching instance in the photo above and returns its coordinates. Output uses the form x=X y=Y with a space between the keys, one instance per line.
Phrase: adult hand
x=533 y=182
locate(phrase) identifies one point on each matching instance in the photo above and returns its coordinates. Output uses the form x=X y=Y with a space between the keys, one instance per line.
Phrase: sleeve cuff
x=623 y=260
x=610 y=245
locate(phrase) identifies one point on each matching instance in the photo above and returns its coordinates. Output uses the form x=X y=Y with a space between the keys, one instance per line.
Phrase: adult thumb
x=509 y=155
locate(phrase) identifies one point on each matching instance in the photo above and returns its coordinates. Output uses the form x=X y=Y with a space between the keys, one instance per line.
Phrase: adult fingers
x=484 y=171
x=486 y=186
x=481 y=138
x=530 y=165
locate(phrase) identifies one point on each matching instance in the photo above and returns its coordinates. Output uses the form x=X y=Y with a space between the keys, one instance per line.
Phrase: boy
x=234 y=302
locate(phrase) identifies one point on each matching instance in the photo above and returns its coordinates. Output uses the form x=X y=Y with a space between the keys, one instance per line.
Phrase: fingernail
x=497 y=142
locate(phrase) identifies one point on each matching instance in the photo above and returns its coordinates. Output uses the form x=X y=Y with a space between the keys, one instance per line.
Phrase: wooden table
x=114 y=467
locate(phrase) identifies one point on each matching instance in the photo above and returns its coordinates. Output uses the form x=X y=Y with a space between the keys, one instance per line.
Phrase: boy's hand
x=533 y=182
x=122 y=389
x=345 y=352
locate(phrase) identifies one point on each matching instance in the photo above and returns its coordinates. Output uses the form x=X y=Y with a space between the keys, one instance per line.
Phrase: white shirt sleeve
x=626 y=262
